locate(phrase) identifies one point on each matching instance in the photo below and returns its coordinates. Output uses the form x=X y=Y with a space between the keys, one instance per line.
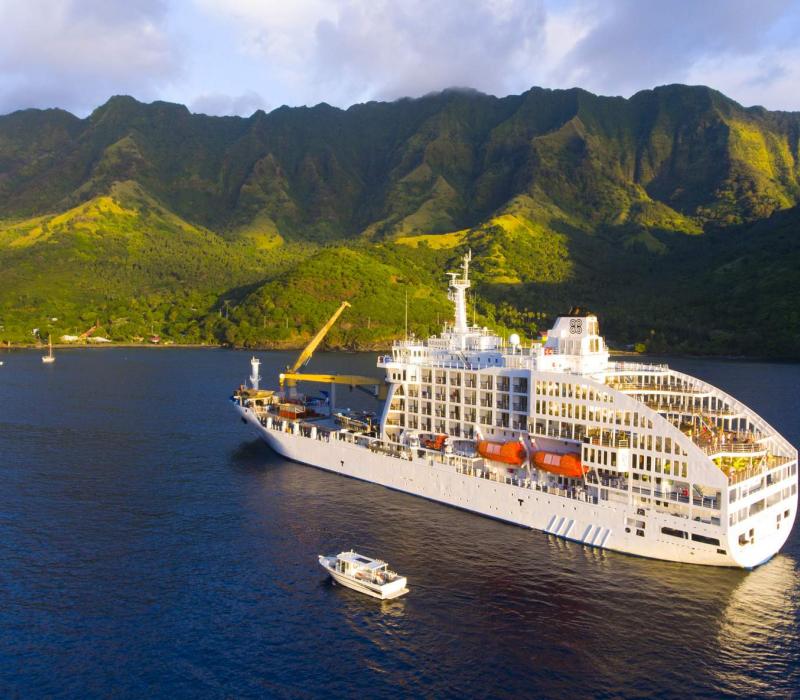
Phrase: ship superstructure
x=556 y=436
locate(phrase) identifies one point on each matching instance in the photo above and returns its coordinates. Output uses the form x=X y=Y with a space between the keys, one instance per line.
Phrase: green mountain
x=672 y=213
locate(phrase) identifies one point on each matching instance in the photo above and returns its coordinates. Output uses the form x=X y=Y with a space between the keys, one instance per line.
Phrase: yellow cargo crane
x=372 y=386
x=291 y=376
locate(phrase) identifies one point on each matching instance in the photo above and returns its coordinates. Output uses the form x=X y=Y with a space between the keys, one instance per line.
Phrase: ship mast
x=255 y=377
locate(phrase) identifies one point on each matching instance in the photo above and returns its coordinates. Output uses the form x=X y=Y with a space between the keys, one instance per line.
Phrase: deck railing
x=637 y=367
x=614 y=489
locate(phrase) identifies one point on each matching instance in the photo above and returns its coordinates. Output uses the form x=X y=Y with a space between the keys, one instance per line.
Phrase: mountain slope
x=124 y=258
x=652 y=208
x=674 y=157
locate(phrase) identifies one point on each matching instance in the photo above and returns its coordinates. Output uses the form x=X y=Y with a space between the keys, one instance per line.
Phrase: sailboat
x=49 y=357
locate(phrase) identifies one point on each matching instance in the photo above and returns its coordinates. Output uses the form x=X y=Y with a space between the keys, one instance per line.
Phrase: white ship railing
x=637 y=367
x=608 y=489
x=648 y=387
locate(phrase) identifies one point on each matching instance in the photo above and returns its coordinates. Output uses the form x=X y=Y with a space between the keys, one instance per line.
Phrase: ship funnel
x=255 y=377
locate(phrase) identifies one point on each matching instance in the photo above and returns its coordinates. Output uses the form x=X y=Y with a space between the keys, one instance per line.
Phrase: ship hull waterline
x=595 y=525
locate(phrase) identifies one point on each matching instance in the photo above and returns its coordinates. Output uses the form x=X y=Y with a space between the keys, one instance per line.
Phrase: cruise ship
x=553 y=435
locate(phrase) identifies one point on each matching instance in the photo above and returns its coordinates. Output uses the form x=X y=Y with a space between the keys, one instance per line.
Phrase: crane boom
x=351 y=380
x=308 y=351
x=86 y=334
x=374 y=387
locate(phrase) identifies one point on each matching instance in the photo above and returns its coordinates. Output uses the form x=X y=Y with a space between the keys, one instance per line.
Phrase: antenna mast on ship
x=255 y=377
x=406 y=314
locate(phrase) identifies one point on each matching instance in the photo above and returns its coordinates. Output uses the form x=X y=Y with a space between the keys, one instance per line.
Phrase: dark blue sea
x=151 y=547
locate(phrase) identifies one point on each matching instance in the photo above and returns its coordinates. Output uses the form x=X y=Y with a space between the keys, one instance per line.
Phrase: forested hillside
x=673 y=214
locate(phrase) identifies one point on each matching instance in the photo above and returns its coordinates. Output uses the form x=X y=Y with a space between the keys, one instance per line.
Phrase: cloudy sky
x=235 y=56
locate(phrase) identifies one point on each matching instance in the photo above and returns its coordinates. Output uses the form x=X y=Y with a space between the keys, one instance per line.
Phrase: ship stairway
x=560 y=526
x=596 y=535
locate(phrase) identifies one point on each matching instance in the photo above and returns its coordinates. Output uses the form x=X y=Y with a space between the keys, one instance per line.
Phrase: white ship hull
x=600 y=524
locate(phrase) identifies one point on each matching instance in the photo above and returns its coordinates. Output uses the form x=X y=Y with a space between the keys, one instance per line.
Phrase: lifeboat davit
x=512 y=452
x=568 y=464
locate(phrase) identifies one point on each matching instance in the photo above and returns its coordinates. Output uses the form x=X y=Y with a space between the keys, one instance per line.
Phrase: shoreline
x=379 y=349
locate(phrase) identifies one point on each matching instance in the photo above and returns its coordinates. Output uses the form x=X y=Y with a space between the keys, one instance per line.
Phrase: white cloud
x=354 y=50
x=220 y=104
x=769 y=78
x=630 y=45
x=77 y=54
x=221 y=56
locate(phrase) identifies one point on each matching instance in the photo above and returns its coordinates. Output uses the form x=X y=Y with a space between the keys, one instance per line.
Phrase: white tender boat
x=370 y=576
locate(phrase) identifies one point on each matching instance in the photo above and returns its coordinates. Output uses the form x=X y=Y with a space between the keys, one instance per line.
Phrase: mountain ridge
x=553 y=187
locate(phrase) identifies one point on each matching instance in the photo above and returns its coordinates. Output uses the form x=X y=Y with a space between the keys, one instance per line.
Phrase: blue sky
x=235 y=56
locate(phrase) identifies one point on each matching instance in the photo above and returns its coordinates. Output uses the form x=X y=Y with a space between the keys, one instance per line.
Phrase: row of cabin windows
x=681 y=487
x=607 y=458
x=567 y=390
x=781 y=473
x=647 y=463
x=471 y=396
x=441 y=404
x=656 y=443
x=519 y=385
x=696 y=537
x=469 y=414
x=572 y=346
x=587 y=412
x=758 y=506
x=744 y=492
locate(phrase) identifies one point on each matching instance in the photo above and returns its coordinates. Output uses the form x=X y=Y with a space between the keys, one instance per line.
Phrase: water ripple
x=151 y=547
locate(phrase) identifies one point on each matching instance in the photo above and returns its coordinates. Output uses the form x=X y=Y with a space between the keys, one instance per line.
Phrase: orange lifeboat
x=435 y=442
x=512 y=452
x=568 y=464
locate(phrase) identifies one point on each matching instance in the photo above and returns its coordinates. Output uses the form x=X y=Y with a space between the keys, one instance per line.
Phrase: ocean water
x=150 y=546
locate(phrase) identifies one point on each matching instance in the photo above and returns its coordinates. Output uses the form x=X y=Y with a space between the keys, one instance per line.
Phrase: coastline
x=350 y=350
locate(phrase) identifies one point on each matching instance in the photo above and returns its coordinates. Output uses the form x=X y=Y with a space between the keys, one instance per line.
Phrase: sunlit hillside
x=672 y=214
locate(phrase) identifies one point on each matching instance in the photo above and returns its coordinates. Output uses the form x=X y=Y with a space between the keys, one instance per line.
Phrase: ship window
x=675 y=533
x=705 y=540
